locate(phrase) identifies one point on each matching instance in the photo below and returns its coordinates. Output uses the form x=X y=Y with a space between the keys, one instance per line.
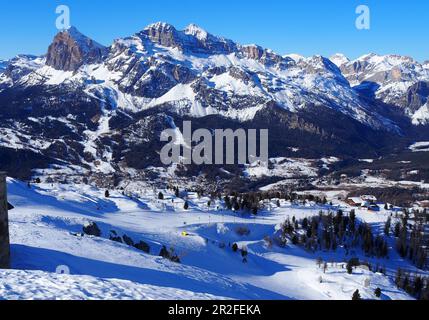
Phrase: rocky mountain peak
x=163 y=34
x=339 y=59
x=71 y=49
x=192 y=40
x=196 y=31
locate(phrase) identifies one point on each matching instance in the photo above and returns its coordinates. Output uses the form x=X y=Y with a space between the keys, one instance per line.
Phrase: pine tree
x=353 y=262
x=387 y=226
x=236 y=206
x=377 y=292
x=304 y=223
x=397 y=229
x=398 y=278
x=244 y=252
x=356 y=296
x=418 y=286
x=352 y=220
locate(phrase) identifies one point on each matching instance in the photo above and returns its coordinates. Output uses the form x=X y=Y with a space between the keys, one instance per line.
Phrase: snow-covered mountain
x=396 y=80
x=339 y=59
x=197 y=73
x=87 y=105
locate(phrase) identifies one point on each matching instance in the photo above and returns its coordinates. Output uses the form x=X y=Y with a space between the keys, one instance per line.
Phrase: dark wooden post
x=4 y=225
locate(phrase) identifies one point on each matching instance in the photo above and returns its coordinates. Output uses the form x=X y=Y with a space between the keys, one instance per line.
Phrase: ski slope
x=45 y=229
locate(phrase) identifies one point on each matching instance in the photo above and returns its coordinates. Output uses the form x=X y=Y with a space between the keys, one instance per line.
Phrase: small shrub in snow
x=115 y=238
x=128 y=240
x=142 y=246
x=295 y=240
x=92 y=229
x=169 y=254
x=244 y=252
x=164 y=252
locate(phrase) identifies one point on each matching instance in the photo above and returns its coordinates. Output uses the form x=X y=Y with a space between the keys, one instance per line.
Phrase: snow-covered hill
x=45 y=229
x=38 y=285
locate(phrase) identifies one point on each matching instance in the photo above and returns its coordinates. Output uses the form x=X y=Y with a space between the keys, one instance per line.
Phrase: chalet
x=369 y=198
x=354 y=201
x=365 y=201
x=423 y=204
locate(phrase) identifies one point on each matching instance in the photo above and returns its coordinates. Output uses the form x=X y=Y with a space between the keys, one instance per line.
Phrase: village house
x=368 y=202
x=354 y=201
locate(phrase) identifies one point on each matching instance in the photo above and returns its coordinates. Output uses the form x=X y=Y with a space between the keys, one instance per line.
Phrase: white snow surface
x=38 y=285
x=47 y=220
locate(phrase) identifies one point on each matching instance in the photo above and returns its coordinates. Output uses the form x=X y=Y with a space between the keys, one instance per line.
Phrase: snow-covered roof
x=356 y=199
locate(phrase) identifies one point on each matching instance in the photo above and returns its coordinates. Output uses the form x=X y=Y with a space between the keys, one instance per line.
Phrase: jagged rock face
x=417 y=95
x=70 y=50
x=395 y=80
x=193 y=39
x=163 y=34
x=381 y=69
x=266 y=57
x=253 y=52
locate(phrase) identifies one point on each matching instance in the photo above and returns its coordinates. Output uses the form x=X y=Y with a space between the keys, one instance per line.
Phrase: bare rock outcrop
x=71 y=49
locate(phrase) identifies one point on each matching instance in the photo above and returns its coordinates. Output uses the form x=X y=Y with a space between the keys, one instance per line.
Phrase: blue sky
x=306 y=27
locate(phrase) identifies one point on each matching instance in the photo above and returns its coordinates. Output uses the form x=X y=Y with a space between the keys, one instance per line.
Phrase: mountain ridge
x=104 y=104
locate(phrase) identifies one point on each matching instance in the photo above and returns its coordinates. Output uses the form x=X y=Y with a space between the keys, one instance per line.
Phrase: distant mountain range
x=96 y=109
